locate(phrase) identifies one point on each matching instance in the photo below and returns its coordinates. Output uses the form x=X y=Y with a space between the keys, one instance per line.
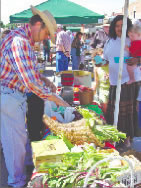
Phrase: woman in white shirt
x=127 y=121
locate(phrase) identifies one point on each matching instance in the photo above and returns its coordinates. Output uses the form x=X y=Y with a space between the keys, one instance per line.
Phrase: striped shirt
x=63 y=42
x=19 y=64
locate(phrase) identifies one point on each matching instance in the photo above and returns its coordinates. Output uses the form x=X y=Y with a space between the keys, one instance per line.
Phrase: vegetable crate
x=49 y=151
x=126 y=178
x=86 y=97
x=129 y=178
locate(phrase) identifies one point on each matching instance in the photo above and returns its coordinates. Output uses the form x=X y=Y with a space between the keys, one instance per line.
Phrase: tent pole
x=123 y=37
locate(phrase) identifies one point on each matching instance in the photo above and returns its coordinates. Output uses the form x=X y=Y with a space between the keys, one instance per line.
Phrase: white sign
x=100 y=21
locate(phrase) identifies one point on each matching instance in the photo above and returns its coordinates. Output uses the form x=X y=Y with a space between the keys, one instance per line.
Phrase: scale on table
x=67 y=80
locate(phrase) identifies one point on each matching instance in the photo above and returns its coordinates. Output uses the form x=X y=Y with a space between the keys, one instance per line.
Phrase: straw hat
x=106 y=25
x=59 y=26
x=49 y=21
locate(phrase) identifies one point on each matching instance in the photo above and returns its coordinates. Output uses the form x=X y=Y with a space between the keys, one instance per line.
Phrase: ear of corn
x=76 y=132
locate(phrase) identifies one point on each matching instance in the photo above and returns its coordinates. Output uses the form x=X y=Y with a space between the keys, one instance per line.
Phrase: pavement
x=49 y=73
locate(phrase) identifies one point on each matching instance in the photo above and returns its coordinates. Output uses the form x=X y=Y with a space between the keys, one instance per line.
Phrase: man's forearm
x=42 y=78
x=48 y=83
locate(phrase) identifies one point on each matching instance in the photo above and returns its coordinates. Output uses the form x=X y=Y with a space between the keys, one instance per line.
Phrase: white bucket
x=80 y=78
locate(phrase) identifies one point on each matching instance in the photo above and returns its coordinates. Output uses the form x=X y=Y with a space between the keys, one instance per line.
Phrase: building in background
x=135 y=10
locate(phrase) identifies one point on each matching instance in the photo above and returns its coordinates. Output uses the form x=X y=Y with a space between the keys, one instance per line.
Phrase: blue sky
x=9 y=7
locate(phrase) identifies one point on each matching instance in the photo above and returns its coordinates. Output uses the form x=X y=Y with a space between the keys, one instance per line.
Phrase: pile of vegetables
x=90 y=129
x=85 y=89
x=95 y=108
x=74 y=167
x=101 y=131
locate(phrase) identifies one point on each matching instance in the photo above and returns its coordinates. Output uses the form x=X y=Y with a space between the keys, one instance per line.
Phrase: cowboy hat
x=49 y=21
x=106 y=25
x=59 y=26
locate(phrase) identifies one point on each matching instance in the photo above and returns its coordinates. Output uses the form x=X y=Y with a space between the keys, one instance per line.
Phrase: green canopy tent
x=64 y=11
x=75 y=29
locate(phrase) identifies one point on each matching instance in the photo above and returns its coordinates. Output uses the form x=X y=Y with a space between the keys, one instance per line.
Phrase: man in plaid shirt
x=19 y=76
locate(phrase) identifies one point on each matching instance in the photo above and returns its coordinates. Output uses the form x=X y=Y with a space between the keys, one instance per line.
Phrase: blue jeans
x=75 y=59
x=61 y=62
x=47 y=55
x=14 y=135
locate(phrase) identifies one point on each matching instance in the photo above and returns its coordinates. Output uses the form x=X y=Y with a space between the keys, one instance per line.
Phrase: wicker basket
x=86 y=97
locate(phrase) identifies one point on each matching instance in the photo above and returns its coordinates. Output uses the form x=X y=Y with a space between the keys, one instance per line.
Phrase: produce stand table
x=124 y=179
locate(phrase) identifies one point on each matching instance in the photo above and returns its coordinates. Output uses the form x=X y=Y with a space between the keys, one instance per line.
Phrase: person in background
x=63 y=48
x=75 y=51
x=71 y=38
x=92 y=35
x=139 y=108
x=5 y=32
x=102 y=84
x=127 y=118
x=64 y=28
x=19 y=76
x=70 y=34
x=134 y=49
x=87 y=39
x=100 y=37
x=132 y=62
x=46 y=49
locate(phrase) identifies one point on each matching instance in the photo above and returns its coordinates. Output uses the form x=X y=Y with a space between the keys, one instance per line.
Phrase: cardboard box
x=48 y=151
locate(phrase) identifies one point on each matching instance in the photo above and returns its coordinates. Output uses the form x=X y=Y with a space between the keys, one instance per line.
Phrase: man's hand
x=58 y=101
x=127 y=48
x=67 y=54
x=49 y=84
x=132 y=61
x=101 y=64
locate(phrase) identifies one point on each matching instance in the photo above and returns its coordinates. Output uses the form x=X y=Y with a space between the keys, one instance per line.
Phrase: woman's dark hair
x=64 y=28
x=78 y=33
x=92 y=35
x=112 y=33
x=36 y=18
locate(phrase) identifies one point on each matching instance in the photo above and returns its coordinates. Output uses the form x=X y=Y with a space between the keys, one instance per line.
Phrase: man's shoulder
x=100 y=31
x=63 y=33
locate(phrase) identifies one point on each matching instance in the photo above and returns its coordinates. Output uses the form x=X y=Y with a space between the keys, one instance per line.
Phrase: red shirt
x=135 y=48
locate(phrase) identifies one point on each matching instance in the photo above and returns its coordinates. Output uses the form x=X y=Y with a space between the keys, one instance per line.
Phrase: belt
x=7 y=90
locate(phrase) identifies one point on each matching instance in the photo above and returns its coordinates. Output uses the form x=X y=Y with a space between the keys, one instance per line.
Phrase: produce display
x=77 y=132
x=90 y=129
x=95 y=108
x=85 y=139
x=75 y=165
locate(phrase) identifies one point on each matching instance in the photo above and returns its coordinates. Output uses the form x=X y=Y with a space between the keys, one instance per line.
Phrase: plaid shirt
x=63 y=42
x=19 y=64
